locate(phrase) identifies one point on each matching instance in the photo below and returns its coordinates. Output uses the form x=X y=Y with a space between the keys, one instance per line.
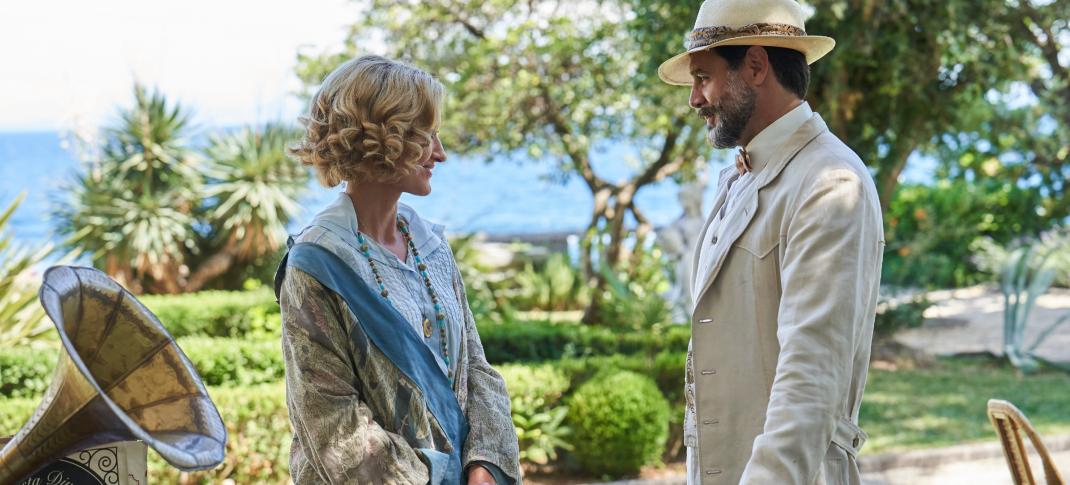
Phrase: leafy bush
x=218 y=313
x=234 y=362
x=620 y=422
x=894 y=315
x=26 y=371
x=237 y=361
x=539 y=341
x=256 y=417
x=634 y=295
x=534 y=395
x=556 y=285
x=931 y=229
x=258 y=439
x=482 y=283
x=16 y=412
x=258 y=436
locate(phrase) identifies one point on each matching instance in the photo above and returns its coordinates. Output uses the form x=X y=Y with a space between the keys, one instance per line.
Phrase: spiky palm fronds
x=253 y=188
x=21 y=318
x=133 y=208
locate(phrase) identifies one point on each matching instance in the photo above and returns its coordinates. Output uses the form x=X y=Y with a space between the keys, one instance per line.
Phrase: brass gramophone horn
x=121 y=377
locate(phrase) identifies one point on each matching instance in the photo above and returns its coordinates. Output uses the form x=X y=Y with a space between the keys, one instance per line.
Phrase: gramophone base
x=120 y=463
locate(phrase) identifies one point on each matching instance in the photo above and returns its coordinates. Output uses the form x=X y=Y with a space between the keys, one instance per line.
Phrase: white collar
x=766 y=143
x=342 y=216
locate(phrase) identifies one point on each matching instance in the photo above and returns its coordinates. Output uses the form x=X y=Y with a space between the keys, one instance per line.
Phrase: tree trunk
x=212 y=267
x=888 y=175
x=614 y=215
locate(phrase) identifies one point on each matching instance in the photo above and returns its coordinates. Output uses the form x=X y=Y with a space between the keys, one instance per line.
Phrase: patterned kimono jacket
x=369 y=401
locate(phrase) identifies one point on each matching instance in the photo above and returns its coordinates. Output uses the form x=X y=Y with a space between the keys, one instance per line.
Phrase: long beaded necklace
x=440 y=315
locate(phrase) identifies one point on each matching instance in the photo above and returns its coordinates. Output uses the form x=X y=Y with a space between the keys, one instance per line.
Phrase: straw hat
x=772 y=23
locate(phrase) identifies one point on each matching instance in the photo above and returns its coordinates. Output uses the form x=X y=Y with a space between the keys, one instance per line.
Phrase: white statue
x=678 y=238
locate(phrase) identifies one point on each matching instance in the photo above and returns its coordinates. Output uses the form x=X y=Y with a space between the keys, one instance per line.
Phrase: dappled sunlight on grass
x=945 y=405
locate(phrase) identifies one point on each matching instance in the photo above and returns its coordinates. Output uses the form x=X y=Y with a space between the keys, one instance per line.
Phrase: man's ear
x=756 y=65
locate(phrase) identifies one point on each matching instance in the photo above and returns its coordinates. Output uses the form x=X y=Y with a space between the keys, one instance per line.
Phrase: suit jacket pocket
x=759 y=241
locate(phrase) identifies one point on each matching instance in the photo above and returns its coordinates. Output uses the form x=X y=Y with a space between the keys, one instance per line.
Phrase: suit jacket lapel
x=741 y=215
x=724 y=181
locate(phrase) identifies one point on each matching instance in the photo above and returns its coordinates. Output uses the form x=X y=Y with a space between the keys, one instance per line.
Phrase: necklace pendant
x=427 y=328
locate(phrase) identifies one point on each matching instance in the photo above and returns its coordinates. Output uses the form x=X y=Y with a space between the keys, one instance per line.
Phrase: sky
x=69 y=65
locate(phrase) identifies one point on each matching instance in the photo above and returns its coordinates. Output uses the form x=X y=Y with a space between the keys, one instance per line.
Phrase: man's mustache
x=707 y=112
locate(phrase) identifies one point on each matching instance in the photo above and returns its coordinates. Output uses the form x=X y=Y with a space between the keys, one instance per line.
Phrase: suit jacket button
x=713 y=240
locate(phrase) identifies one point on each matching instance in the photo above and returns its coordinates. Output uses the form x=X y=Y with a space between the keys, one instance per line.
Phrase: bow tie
x=743 y=161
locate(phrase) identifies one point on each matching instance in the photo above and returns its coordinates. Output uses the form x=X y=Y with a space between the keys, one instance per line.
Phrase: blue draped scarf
x=393 y=336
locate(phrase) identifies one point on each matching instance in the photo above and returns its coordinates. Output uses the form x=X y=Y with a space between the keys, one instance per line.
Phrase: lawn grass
x=945 y=405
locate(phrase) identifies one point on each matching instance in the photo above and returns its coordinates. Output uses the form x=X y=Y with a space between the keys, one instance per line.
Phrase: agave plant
x=21 y=318
x=133 y=207
x=1026 y=272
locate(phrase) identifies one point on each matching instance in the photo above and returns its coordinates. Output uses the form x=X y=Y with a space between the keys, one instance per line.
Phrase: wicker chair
x=1009 y=423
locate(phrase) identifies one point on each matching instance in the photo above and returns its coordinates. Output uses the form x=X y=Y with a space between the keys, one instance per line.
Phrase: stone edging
x=929 y=458
x=932 y=458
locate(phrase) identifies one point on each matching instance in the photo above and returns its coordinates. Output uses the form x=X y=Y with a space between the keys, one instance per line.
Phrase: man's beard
x=733 y=112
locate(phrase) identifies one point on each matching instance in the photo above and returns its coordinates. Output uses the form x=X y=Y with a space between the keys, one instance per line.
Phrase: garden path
x=970 y=320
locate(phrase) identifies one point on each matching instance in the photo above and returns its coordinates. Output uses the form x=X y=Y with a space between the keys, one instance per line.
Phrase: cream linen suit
x=783 y=317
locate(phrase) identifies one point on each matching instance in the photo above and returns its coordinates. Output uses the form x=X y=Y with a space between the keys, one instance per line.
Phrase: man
x=786 y=272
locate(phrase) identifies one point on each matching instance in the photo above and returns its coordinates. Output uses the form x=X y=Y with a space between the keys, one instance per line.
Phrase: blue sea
x=468 y=194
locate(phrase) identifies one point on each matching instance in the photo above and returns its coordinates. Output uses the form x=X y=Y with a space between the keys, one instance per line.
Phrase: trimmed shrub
x=218 y=313
x=542 y=341
x=258 y=439
x=15 y=414
x=256 y=417
x=26 y=371
x=620 y=423
x=258 y=436
x=666 y=368
x=234 y=362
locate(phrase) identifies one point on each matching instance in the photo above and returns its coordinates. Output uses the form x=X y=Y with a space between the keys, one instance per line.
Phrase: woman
x=386 y=380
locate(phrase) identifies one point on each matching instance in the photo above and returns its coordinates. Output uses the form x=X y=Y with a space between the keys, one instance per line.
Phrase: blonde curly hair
x=371 y=120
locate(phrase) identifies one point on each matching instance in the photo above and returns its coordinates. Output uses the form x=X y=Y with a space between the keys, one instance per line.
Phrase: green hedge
x=256 y=418
x=258 y=436
x=217 y=313
x=543 y=341
x=27 y=372
x=234 y=362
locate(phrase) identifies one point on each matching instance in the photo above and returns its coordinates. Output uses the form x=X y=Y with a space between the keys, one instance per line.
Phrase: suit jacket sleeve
x=492 y=438
x=826 y=277
x=339 y=437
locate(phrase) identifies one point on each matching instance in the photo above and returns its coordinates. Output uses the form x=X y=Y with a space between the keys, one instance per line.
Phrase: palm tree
x=251 y=193
x=160 y=218
x=133 y=208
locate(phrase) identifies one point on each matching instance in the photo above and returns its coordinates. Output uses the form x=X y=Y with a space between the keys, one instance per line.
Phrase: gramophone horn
x=121 y=376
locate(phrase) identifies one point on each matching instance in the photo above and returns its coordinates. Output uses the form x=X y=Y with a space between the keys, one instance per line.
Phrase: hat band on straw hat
x=704 y=36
